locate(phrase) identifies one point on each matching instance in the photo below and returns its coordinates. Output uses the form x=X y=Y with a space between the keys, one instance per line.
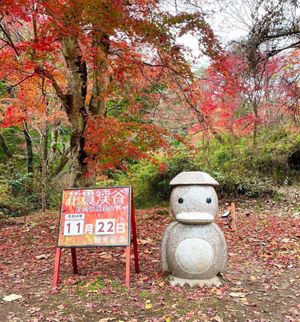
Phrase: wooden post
x=233 y=215
x=56 y=268
x=134 y=237
x=74 y=260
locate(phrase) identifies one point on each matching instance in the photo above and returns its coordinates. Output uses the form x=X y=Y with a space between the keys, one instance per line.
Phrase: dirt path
x=261 y=282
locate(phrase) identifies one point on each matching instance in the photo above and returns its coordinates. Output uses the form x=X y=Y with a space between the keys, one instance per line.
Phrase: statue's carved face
x=194 y=204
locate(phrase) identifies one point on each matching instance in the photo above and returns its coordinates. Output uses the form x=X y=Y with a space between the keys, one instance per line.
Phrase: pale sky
x=230 y=19
x=229 y=23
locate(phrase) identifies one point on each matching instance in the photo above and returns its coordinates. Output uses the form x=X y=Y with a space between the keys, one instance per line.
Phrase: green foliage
x=239 y=167
x=140 y=176
x=181 y=161
x=4 y=196
x=20 y=190
x=242 y=168
x=97 y=284
x=151 y=183
x=20 y=184
x=10 y=205
x=3 y=87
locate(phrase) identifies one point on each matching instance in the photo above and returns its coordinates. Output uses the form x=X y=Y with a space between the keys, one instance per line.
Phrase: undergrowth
x=240 y=167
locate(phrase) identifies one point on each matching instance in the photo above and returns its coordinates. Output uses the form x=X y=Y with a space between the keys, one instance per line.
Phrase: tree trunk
x=78 y=162
x=255 y=133
x=8 y=154
x=4 y=147
x=29 y=187
x=44 y=160
x=74 y=104
x=97 y=102
x=29 y=150
x=74 y=101
x=255 y=125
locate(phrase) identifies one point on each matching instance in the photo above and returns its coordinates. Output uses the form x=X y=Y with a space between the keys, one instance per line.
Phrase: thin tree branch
x=9 y=39
x=10 y=87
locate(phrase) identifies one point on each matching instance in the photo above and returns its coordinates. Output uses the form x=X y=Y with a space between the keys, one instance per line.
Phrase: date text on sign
x=74 y=224
x=105 y=226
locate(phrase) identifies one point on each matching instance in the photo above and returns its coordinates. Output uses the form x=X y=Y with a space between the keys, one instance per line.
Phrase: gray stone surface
x=186 y=246
x=194 y=204
x=176 y=281
x=193 y=247
x=193 y=177
x=165 y=239
x=194 y=255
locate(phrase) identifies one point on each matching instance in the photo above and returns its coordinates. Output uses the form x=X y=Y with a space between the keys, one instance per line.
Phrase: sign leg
x=74 y=260
x=127 y=278
x=56 y=268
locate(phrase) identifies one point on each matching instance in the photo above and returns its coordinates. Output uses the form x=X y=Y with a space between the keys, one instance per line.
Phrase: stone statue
x=193 y=247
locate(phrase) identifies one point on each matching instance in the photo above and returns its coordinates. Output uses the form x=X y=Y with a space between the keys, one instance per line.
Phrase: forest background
x=102 y=93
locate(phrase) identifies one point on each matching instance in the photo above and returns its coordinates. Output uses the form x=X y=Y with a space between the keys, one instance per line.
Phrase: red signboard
x=93 y=218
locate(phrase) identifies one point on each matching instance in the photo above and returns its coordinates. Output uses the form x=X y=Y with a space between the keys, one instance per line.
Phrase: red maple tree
x=233 y=98
x=93 y=53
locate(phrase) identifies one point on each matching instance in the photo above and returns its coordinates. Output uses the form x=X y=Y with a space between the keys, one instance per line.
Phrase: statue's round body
x=194 y=251
x=193 y=247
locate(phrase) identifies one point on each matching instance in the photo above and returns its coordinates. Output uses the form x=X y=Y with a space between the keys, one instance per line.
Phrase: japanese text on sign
x=95 y=217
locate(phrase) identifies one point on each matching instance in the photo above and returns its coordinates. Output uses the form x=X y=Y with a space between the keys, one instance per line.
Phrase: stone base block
x=177 y=281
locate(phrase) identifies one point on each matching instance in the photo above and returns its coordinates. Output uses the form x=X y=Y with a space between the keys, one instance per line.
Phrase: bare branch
x=10 y=41
x=40 y=71
x=10 y=87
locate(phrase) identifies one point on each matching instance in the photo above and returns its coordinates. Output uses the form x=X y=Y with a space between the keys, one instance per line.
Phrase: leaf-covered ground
x=261 y=282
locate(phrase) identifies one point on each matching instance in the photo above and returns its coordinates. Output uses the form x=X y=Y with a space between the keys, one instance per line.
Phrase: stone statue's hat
x=193 y=177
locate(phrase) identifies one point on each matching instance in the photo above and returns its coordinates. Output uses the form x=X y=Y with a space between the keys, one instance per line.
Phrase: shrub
x=140 y=176
x=239 y=167
x=11 y=205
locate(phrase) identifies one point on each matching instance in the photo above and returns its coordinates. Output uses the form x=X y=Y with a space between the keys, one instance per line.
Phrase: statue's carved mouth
x=195 y=217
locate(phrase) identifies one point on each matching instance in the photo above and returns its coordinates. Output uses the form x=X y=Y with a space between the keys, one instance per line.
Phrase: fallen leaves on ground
x=260 y=283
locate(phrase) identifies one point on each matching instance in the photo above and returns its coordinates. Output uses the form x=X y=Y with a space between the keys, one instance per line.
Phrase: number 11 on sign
x=73 y=227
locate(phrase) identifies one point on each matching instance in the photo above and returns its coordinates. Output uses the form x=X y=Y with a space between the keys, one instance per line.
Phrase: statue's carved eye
x=208 y=200
x=180 y=200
